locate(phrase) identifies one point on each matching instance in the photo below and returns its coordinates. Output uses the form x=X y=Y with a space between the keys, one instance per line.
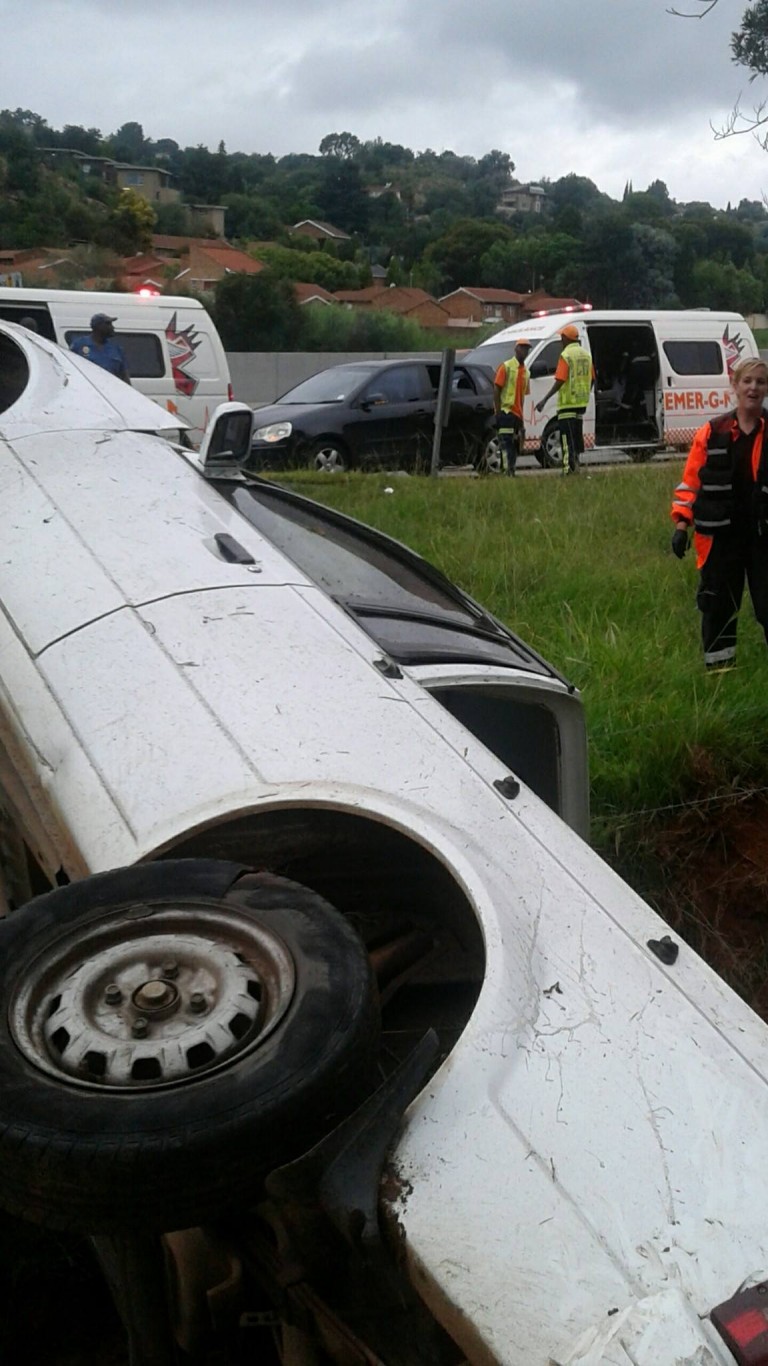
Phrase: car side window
x=404 y=384
x=463 y=383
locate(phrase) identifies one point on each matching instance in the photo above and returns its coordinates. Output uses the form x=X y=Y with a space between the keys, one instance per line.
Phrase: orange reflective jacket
x=688 y=489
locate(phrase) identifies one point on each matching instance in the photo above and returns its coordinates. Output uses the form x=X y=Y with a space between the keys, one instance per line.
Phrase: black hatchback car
x=377 y=413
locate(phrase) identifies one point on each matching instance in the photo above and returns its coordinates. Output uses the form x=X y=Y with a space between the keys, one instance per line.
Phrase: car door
x=396 y=412
x=470 y=418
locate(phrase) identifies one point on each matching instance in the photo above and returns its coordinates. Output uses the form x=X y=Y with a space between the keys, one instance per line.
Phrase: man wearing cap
x=510 y=386
x=101 y=348
x=574 y=377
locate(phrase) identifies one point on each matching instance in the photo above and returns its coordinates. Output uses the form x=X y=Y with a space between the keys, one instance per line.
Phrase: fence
x=260 y=377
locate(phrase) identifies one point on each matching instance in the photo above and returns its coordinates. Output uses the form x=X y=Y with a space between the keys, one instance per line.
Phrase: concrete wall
x=262 y=376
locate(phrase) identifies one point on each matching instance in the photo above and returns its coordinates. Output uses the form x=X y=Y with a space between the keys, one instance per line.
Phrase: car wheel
x=550 y=452
x=327 y=455
x=490 y=457
x=641 y=454
x=171 y=1032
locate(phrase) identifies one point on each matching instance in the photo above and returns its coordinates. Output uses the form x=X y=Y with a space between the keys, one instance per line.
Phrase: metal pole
x=443 y=406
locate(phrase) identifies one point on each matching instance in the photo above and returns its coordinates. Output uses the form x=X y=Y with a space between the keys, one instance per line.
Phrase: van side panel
x=697 y=358
x=173 y=350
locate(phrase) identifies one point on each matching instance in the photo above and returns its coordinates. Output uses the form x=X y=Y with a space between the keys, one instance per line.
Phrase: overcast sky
x=615 y=90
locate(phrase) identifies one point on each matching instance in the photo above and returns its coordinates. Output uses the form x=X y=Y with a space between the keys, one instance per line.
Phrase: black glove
x=680 y=542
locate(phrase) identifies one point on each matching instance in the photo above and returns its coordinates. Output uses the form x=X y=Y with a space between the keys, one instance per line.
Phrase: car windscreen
x=329 y=386
x=406 y=606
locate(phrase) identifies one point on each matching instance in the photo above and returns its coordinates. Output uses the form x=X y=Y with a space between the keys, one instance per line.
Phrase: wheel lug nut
x=140 y=1028
x=197 y=1002
x=169 y=970
x=113 y=995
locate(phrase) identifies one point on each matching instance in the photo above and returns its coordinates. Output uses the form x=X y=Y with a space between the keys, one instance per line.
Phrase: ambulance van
x=659 y=375
x=173 y=351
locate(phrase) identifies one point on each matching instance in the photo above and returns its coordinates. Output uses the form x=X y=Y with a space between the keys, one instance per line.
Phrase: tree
x=130 y=226
x=256 y=313
x=341 y=198
x=129 y=143
x=343 y=146
x=458 y=252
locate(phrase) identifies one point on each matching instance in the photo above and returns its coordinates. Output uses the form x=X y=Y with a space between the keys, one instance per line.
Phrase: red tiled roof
x=489 y=296
x=359 y=296
x=327 y=228
x=141 y=264
x=304 y=292
x=232 y=259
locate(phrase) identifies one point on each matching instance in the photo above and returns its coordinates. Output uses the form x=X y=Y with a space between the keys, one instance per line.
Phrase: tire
x=327 y=455
x=641 y=455
x=490 y=459
x=550 y=452
x=104 y=1131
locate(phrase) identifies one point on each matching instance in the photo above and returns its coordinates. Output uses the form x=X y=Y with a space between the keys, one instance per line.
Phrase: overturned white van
x=659 y=375
x=325 y=1022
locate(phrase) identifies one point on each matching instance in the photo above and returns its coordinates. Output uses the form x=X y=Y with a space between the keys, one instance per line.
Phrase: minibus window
x=694 y=357
x=143 y=352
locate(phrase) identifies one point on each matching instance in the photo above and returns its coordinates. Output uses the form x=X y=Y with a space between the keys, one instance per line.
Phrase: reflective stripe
x=700 y=524
x=720 y=656
x=717 y=488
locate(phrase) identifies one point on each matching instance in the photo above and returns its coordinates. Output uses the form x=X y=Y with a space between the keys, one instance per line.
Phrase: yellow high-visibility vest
x=510 y=391
x=575 y=392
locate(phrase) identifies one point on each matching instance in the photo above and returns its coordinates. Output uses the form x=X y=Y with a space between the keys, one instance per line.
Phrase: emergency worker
x=574 y=377
x=723 y=495
x=101 y=347
x=511 y=384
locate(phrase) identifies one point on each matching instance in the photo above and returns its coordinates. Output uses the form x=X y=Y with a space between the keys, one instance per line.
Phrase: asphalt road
x=602 y=459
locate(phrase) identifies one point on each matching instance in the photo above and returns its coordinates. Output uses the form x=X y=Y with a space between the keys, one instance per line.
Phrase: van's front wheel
x=550 y=452
x=172 y=1031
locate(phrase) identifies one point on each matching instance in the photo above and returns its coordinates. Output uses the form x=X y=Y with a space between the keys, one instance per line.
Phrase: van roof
x=547 y=324
x=109 y=299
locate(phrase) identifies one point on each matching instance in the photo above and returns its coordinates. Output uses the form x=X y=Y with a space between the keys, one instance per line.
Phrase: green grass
x=582 y=570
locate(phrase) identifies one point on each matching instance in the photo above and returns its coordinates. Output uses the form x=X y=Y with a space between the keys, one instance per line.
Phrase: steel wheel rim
x=209 y=983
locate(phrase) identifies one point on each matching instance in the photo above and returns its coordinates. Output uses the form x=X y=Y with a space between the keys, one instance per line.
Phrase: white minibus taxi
x=173 y=351
x=659 y=375
x=320 y=1017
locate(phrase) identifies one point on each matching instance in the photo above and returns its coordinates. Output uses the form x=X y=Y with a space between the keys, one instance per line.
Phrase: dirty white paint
x=584 y=1178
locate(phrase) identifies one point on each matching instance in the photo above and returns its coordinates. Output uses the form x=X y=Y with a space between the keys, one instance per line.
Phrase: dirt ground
x=716 y=889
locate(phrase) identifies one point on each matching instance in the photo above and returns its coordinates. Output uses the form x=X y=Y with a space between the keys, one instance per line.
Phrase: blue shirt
x=109 y=354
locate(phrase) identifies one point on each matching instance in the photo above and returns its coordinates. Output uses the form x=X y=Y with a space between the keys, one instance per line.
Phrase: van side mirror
x=227 y=441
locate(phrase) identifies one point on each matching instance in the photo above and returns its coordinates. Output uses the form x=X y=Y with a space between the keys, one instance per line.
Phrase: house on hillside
x=405 y=300
x=151 y=182
x=472 y=306
x=521 y=199
x=319 y=232
x=539 y=302
x=210 y=216
x=209 y=263
x=312 y=294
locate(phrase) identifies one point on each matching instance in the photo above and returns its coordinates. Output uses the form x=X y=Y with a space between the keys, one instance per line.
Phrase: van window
x=143 y=352
x=545 y=363
x=13 y=313
x=694 y=357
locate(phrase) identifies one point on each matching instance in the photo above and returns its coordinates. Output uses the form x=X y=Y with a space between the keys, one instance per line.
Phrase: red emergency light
x=742 y=1323
x=146 y=292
